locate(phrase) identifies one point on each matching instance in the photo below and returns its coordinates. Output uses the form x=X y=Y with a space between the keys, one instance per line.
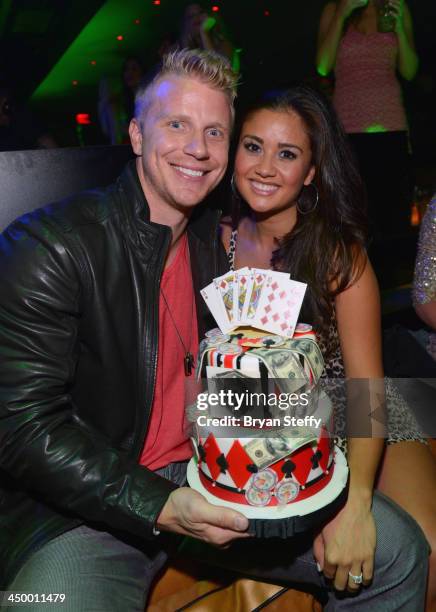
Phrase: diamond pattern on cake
x=238 y=461
x=324 y=448
x=222 y=463
x=277 y=467
x=302 y=459
x=213 y=452
x=315 y=459
x=314 y=473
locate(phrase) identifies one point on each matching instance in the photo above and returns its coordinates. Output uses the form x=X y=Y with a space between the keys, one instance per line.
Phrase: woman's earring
x=234 y=188
x=301 y=207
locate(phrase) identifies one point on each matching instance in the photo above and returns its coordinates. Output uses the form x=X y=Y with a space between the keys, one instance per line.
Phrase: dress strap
x=232 y=249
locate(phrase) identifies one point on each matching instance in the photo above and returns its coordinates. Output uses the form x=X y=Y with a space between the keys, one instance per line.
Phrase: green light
x=322 y=71
x=322 y=66
x=377 y=127
x=98 y=41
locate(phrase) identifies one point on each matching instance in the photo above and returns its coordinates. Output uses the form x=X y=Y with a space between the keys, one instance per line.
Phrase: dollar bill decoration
x=266 y=451
x=283 y=363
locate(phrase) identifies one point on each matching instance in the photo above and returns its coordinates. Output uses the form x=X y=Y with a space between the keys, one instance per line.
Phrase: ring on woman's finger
x=356 y=579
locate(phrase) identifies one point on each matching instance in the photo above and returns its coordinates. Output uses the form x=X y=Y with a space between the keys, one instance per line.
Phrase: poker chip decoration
x=272 y=341
x=263 y=485
x=303 y=328
x=287 y=491
x=229 y=349
x=265 y=480
x=217 y=339
x=212 y=333
x=255 y=497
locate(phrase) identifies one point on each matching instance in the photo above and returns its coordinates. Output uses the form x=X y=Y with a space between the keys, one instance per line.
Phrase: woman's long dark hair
x=323 y=249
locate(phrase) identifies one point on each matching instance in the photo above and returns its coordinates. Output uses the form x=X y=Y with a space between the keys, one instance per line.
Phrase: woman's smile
x=273 y=160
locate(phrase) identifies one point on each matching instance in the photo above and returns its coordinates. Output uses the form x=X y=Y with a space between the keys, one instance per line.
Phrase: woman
x=353 y=42
x=304 y=216
x=199 y=30
x=116 y=108
x=424 y=282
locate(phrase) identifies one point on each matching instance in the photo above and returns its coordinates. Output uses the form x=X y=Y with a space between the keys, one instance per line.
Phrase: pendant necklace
x=188 y=359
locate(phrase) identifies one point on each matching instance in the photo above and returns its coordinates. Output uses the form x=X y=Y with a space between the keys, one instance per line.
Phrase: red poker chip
x=265 y=480
x=255 y=497
x=287 y=491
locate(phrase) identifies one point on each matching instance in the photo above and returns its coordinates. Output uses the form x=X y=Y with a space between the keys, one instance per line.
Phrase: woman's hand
x=396 y=9
x=347 y=544
x=208 y=23
x=346 y=7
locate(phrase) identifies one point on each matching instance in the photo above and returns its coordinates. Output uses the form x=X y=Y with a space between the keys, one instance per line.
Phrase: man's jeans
x=102 y=573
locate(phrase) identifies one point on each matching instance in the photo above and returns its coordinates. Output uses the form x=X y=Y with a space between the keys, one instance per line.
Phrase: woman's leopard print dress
x=401 y=423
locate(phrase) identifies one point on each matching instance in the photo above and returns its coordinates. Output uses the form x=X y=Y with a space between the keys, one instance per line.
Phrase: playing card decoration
x=263 y=299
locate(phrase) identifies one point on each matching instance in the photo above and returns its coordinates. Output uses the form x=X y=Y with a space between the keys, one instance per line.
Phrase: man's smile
x=189 y=172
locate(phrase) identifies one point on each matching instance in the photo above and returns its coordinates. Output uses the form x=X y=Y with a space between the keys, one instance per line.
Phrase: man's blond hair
x=206 y=66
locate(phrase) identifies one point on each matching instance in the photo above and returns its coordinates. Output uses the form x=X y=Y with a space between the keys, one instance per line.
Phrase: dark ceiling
x=34 y=34
x=76 y=41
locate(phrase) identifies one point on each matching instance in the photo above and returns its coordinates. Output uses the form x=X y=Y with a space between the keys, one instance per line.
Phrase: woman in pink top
x=368 y=97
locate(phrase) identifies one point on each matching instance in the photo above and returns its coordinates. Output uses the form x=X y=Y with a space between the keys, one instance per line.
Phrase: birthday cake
x=274 y=460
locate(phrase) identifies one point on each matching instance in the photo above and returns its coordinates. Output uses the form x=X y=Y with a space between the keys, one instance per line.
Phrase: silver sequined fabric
x=424 y=283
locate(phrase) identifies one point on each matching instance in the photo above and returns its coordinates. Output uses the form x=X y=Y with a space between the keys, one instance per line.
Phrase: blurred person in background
x=367 y=43
x=116 y=108
x=203 y=31
x=424 y=282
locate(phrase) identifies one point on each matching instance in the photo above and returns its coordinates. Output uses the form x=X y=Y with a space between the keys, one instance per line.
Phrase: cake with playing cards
x=272 y=459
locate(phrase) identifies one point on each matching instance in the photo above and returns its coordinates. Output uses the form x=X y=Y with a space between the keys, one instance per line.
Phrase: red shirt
x=166 y=439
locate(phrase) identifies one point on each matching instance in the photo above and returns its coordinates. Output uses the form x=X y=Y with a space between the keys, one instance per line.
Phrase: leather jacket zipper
x=154 y=311
x=214 y=245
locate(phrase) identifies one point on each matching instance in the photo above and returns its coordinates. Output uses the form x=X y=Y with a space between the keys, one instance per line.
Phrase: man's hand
x=188 y=513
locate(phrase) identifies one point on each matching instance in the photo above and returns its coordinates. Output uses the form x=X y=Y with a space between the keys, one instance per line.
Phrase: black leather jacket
x=79 y=284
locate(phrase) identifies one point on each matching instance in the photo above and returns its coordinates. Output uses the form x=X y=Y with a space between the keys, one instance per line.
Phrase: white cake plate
x=316 y=502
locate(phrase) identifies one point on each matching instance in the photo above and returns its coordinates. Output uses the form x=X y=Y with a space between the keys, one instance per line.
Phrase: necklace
x=188 y=359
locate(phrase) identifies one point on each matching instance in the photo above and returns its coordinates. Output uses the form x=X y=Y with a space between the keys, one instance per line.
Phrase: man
x=98 y=325
x=98 y=317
